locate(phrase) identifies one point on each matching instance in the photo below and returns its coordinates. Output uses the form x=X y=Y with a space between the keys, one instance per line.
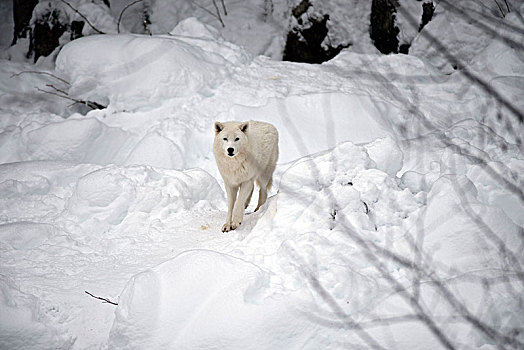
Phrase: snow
x=396 y=207
x=164 y=66
x=222 y=294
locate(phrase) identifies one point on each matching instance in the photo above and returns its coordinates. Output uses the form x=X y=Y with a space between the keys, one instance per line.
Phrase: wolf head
x=230 y=137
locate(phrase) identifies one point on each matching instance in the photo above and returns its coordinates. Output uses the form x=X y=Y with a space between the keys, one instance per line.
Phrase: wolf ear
x=243 y=127
x=218 y=127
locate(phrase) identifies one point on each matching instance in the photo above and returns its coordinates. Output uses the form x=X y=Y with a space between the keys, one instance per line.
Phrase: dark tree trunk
x=46 y=33
x=383 y=31
x=22 y=12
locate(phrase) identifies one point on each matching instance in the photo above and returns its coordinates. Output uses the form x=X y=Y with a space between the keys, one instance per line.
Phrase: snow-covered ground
x=396 y=219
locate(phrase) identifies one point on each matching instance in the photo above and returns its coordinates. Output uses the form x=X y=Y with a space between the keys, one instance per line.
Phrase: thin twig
x=84 y=17
x=122 y=13
x=105 y=300
x=90 y=104
x=57 y=90
x=56 y=94
x=38 y=72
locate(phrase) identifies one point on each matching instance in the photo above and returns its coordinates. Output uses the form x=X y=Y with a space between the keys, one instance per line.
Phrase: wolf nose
x=230 y=151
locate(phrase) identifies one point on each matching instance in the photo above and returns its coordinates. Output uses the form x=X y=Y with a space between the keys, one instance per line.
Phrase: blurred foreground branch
x=473 y=78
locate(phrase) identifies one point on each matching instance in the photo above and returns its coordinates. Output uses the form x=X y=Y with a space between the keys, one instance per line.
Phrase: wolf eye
x=237 y=139
x=225 y=139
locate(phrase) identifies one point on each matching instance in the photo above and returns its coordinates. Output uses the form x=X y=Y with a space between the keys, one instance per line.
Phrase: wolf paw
x=230 y=226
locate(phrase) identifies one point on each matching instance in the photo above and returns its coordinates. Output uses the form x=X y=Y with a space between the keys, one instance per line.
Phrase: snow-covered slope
x=395 y=220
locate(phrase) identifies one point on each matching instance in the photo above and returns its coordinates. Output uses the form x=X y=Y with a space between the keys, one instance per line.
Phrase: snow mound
x=200 y=300
x=163 y=67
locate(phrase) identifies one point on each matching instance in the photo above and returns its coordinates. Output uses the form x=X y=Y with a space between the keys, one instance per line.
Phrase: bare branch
x=60 y=93
x=57 y=90
x=84 y=17
x=122 y=13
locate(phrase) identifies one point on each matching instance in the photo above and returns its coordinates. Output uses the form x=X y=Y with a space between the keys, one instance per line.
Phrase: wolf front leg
x=240 y=205
x=231 y=192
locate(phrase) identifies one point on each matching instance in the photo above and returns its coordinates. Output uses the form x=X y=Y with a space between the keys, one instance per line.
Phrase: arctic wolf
x=245 y=152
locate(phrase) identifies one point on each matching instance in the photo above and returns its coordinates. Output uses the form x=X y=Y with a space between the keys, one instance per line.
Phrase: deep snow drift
x=395 y=220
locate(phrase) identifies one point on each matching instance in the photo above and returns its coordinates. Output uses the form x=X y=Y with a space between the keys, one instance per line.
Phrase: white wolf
x=245 y=152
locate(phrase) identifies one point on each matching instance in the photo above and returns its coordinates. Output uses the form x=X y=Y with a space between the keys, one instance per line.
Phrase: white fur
x=245 y=152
